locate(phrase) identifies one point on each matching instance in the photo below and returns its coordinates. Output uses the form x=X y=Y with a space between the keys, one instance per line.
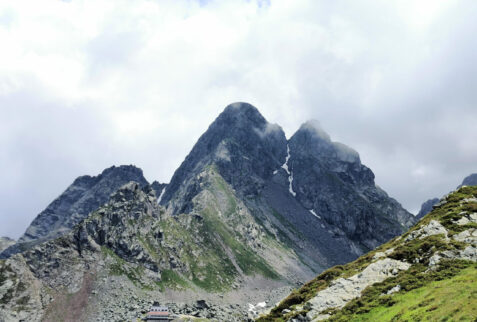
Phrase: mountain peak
x=240 y=107
x=240 y=114
x=240 y=138
x=314 y=128
x=312 y=135
x=122 y=169
x=84 y=195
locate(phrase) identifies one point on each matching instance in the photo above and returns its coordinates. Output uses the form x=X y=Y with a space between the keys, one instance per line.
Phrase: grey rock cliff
x=311 y=193
x=84 y=195
x=244 y=147
x=329 y=179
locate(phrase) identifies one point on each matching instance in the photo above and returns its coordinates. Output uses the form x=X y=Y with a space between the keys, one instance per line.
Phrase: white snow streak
x=314 y=214
x=162 y=194
x=290 y=174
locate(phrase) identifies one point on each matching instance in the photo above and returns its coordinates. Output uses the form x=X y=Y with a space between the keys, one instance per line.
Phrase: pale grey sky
x=88 y=84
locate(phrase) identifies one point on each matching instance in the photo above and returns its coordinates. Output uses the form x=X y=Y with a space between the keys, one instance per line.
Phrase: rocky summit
x=427 y=274
x=84 y=195
x=310 y=193
x=330 y=181
x=248 y=216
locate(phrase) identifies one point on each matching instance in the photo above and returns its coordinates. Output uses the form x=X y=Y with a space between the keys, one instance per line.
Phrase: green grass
x=450 y=211
x=171 y=279
x=248 y=261
x=450 y=299
x=120 y=267
x=416 y=277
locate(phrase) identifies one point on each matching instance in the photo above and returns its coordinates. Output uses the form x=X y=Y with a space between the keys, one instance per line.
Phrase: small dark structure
x=158 y=313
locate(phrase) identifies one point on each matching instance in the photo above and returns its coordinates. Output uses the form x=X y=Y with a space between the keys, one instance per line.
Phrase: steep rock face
x=426 y=274
x=84 y=195
x=426 y=207
x=80 y=198
x=244 y=147
x=329 y=179
x=6 y=242
x=309 y=193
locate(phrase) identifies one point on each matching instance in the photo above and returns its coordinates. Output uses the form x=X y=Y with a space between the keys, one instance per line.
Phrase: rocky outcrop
x=432 y=228
x=343 y=290
x=84 y=195
x=6 y=242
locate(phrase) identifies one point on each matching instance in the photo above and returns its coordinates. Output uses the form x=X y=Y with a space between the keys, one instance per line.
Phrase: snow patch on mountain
x=290 y=173
x=314 y=214
x=161 y=195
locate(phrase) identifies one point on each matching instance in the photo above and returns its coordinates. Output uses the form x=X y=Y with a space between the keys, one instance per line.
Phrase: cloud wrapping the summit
x=86 y=84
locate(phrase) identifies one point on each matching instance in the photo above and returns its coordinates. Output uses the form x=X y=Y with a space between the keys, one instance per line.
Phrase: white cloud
x=86 y=84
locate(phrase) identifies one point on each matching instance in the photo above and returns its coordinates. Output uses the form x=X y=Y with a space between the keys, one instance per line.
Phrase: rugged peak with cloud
x=245 y=148
x=329 y=179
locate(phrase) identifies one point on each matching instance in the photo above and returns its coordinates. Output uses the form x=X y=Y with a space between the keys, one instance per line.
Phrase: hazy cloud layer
x=88 y=84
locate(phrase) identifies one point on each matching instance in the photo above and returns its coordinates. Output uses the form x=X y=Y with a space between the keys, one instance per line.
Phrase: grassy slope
x=416 y=279
x=449 y=299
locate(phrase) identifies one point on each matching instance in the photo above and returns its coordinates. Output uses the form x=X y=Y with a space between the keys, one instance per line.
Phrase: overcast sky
x=88 y=84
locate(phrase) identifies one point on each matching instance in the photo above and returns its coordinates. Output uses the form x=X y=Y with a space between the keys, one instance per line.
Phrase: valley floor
x=116 y=299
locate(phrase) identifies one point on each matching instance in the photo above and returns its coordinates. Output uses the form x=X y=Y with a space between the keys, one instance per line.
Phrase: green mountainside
x=427 y=274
